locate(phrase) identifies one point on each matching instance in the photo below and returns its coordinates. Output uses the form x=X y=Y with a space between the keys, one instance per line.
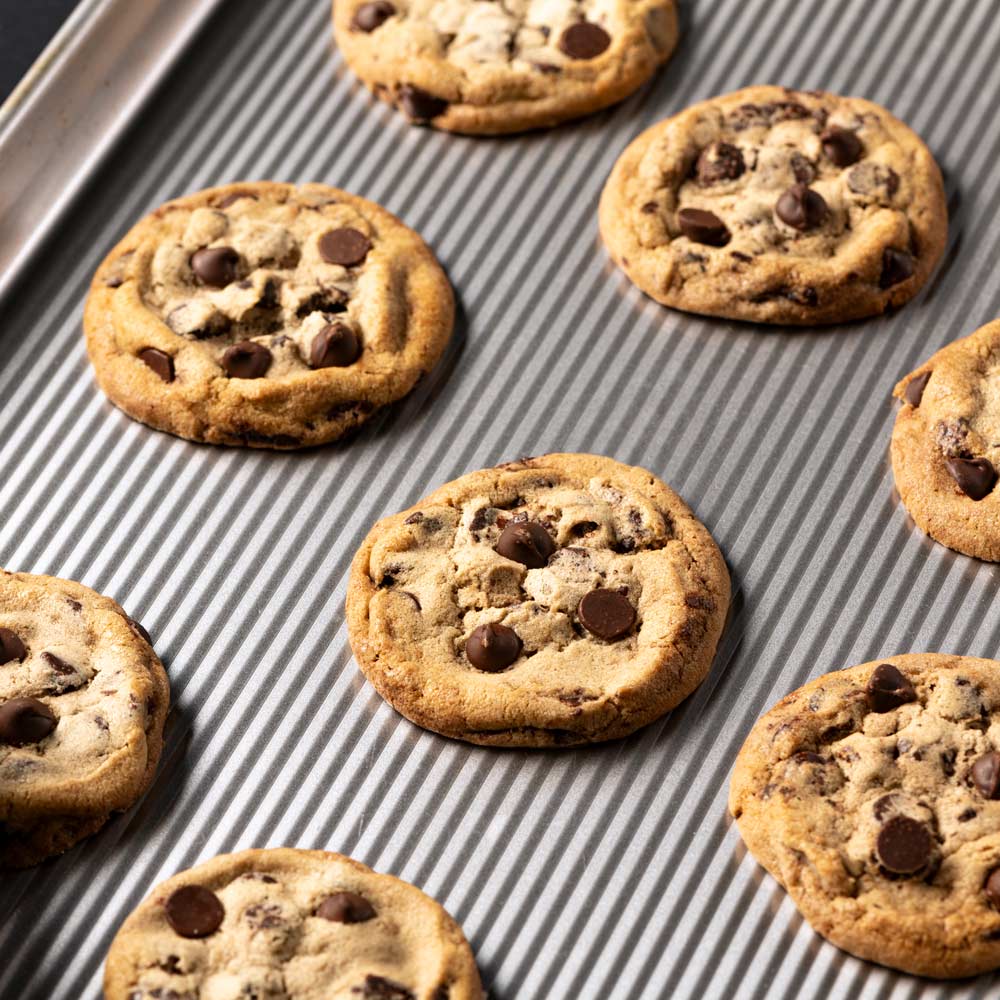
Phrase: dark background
x=26 y=26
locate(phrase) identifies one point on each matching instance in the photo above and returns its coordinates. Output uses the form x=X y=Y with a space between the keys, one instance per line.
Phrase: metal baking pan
x=607 y=873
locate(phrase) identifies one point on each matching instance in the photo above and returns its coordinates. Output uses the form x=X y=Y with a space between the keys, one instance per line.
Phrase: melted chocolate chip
x=139 y=630
x=418 y=105
x=721 y=161
x=607 y=614
x=992 y=887
x=903 y=846
x=215 y=266
x=247 y=359
x=11 y=647
x=841 y=145
x=194 y=911
x=584 y=40
x=335 y=346
x=24 y=721
x=58 y=664
x=370 y=16
x=493 y=647
x=160 y=362
x=975 y=477
x=526 y=542
x=346 y=247
x=888 y=688
x=700 y=226
x=380 y=988
x=801 y=208
x=986 y=775
x=897 y=266
x=345 y=908
x=914 y=391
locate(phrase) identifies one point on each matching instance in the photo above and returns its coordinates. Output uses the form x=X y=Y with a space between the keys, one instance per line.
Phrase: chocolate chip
x=160 y=362
x=418 y=105
x=986 y=775
x=841 y=145
x=139 y=630
x=11 y=647
x=888 y=689
x=345 y=908
x=721 y=161
x=493 y=647
x=194 y=911
x=801 y=208
x=584 y=40
x=236 y=196
x=215 y=266
x=370 y=16
x=526 y=542
x=58 y=664
x=246 y=359
x=347 y=247
x=335 y=346
x=976 y=477
x=903 y=846
x=897 y=266
x=608 y=614
x=914 y=391
x=700 y=226
x=992 y=887
x=24 y=721
x=380 y=988
x=415 y=518
x=802 y=169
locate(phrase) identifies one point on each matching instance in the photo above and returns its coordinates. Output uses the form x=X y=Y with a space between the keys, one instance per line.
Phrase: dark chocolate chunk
x=976 y=477
x=888 y=689
x=159 y=361
x=347 y=247
x=493 y=647
x=194 y=911
x=897 y=266
x=986 y=775
x=700 y=226
x=24 y=721
x=215 y=266
x=335 y=346
x=721 y=161
x=584 y=40
x=608 y=614
x=370 y=16
x=904 y=846
x=801 y=208
x=841 y=145
x=418 y=105
x=914 y=391
x=345 y=908
x=247 y=359
x=526 y=542
x=11 y=647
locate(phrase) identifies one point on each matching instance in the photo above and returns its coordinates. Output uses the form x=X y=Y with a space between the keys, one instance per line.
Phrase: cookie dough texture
x=479 y=66
x=273 y=945
x=869 y=242
x=823 y=772
x=91 y=667
x=946 y=444
x=278 y=267
x=425 y=579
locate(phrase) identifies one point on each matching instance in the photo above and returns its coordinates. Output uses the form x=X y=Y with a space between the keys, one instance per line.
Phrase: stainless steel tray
x=605 y=873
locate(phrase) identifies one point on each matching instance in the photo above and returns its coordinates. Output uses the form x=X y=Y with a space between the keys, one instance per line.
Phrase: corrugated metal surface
x=610 y=872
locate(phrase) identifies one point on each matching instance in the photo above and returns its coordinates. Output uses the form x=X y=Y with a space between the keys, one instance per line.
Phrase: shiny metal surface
x=606 y=873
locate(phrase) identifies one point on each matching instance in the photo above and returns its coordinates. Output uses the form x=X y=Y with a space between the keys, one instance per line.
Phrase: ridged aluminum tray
x=606 y=873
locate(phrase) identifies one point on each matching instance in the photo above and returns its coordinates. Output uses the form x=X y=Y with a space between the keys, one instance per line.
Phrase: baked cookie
x=287 y=924
x=777 y=206
x=946 y=444
x=265 y=315
x=553 y=601
x=873 y=796
x=479 y=66
x=83 y=699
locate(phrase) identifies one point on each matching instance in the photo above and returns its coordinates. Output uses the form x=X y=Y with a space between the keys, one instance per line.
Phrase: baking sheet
x=610 y=872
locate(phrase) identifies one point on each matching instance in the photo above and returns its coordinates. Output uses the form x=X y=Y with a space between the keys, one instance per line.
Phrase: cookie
x=290 y=924
x=478 y=66
x=83 y=699
x=946 y=444
x=873 y=796
x=548 y=602
x=777 y=206
x=265 y=315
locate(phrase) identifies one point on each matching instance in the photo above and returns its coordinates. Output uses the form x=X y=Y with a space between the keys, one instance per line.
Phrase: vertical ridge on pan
x=607 y=872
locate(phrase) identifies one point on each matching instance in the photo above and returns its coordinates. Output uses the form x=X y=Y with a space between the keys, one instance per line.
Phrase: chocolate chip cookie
x=266 y=315
x=873 y=796
x=83 y=699
x=547 y=602
x=777 y=206
x=289 y=924
x=946 y=444
x=479 y=66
